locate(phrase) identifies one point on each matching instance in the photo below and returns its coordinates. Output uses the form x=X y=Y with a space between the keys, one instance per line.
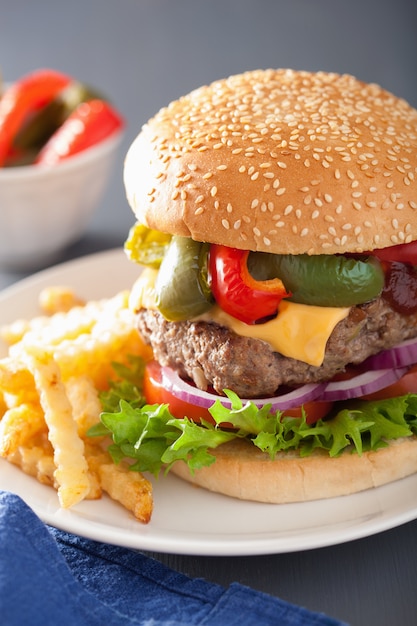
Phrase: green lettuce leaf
x=153 y=439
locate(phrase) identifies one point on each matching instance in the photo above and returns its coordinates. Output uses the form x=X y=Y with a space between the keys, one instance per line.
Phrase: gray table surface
x=144 y=53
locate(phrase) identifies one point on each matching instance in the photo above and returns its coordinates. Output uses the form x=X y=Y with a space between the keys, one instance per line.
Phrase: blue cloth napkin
x=50 y=577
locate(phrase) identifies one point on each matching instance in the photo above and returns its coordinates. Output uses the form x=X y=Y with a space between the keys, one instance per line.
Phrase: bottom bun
x=242 y=471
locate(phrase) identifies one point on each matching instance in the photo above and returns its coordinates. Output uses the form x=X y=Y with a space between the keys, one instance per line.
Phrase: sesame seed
x=213 y=191
x=225 y=224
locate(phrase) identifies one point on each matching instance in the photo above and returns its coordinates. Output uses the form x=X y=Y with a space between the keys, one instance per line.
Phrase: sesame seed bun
x=280 y=161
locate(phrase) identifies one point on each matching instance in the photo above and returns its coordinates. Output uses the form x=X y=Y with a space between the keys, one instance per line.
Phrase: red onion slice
x=184 y=391
x=361 y=385
x=403 y=354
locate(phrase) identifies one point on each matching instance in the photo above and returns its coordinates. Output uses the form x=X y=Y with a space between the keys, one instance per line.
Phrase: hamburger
x=277 y=222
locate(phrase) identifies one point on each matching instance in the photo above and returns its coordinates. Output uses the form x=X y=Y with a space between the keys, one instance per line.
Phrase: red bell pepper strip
x=236 y=291
x=24 y=97
x=90 y=123
x=403 y=253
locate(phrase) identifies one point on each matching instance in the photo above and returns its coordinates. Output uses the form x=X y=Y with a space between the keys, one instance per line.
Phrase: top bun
x=280 y=161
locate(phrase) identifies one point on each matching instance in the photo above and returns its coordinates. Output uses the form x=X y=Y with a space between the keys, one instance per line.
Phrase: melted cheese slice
x=299 y=331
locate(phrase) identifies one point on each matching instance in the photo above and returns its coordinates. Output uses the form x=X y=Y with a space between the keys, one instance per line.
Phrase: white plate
x=188 y=520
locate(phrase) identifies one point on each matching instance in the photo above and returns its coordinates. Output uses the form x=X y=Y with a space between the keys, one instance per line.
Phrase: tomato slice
x=236 y=291
x=155 y=393
x=314 y=411
x=403 y=253
x=406 y=384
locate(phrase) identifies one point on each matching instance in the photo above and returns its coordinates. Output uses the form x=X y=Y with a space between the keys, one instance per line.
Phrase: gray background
x=143 y=54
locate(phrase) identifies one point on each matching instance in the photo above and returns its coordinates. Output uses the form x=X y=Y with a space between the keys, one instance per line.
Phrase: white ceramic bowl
x=45 y=209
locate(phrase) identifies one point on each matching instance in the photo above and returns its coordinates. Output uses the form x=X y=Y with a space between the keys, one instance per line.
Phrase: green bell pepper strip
x=182 y=291
x=322 y=280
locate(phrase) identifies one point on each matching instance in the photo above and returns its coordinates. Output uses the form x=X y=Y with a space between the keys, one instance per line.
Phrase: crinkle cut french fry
x=3 y=405
x=19 y=425
x=85 y=402
x=90 y=351
x=37 y=462
x=58 y=364
x=15 y=378
x=131 y=489
x=54 y=329
x=71 y=471
x=58 y=299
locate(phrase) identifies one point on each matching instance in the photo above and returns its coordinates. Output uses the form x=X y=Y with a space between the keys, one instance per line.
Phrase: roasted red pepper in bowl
x=46 y=116
x=90 y=123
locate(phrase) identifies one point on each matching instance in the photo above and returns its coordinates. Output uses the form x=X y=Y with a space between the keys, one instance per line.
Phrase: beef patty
x=214 y=355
